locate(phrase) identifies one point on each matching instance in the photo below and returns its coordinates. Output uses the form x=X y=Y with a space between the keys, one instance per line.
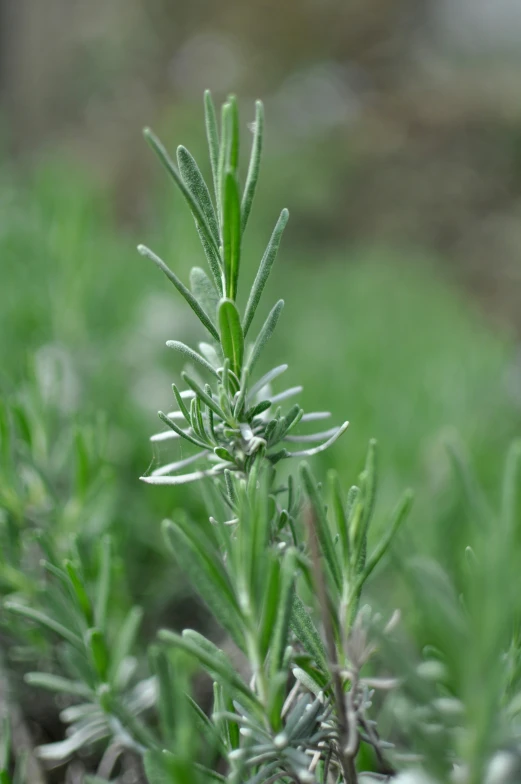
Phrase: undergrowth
x=313 y=681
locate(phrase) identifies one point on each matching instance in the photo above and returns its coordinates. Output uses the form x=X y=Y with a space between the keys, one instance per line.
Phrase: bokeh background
x=394 y=138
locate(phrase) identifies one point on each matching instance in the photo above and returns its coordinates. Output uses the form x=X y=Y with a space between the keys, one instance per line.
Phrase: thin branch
x=347 y=762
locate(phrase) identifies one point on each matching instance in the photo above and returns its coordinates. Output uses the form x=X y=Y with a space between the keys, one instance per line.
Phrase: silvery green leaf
x=232 y=141
x=279 y=639
x=213 y=660
x=179 y=479
x=81 y=711
x=212 y=136
x=205 y=292
x=321 y=526
x=311 y=437
x=175 y=415
x=166 y=435
x=307 y=720
x=169 y=468
x=193 y=355
x=126 y=671
x=203 y=317
x=316 y=450
x=297 y=712
x=259 y=410
x=210 y=353
x=43 y=620
x=125 y=641
x=264 y=270
x=197 y=555
x=83 y=737
x=186 y=434
x=285 y=424
x=194 y=181
x=241 y=396
x=306 y=631
x=196 y=418
x=223 y=160
x=204 y=396
x=143 y=695
x=265 y=380
x=193 y=203
x=368 y=486
x=307 y=681
x=270 y=604
x=183 y=412
x=254 y=165
x=315 y=416
x=285 y=394
x=58 y=684
x=264 y=335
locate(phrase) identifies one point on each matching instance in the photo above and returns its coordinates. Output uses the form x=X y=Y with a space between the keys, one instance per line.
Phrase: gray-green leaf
x=265 y=266
x=232 y=338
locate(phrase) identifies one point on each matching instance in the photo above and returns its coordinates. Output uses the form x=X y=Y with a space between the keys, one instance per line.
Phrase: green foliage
x=229 y=421
x=97 y=660
x=281 y=564
x=248 y=562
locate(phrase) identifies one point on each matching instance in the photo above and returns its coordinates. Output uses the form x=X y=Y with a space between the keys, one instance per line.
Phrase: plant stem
x=346 y=761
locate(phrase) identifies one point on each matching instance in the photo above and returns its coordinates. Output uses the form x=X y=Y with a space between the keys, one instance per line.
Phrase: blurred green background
x=394 y=138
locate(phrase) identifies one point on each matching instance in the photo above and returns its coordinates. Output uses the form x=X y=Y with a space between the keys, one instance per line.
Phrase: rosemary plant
x=281 y=571
x=233 y=418
x=300 y=712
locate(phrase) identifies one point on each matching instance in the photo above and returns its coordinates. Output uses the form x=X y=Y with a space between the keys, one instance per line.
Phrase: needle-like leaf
x=204 y=396
x=231 y=234
x=212 y=660
x=169 y=468
x=43 y=620
x=195 y=183
x=193 y=355
x=189 y=297
x=195 y=555
x=322 y=528
x=317 y=449
x=254 y=166
x=266 y=264
x=232 y=338
x=266 y=379
x=212 y=136
x=264 y=335
x=191 y=200
x=307 y=633
x=205 y=292
x=183 y=433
